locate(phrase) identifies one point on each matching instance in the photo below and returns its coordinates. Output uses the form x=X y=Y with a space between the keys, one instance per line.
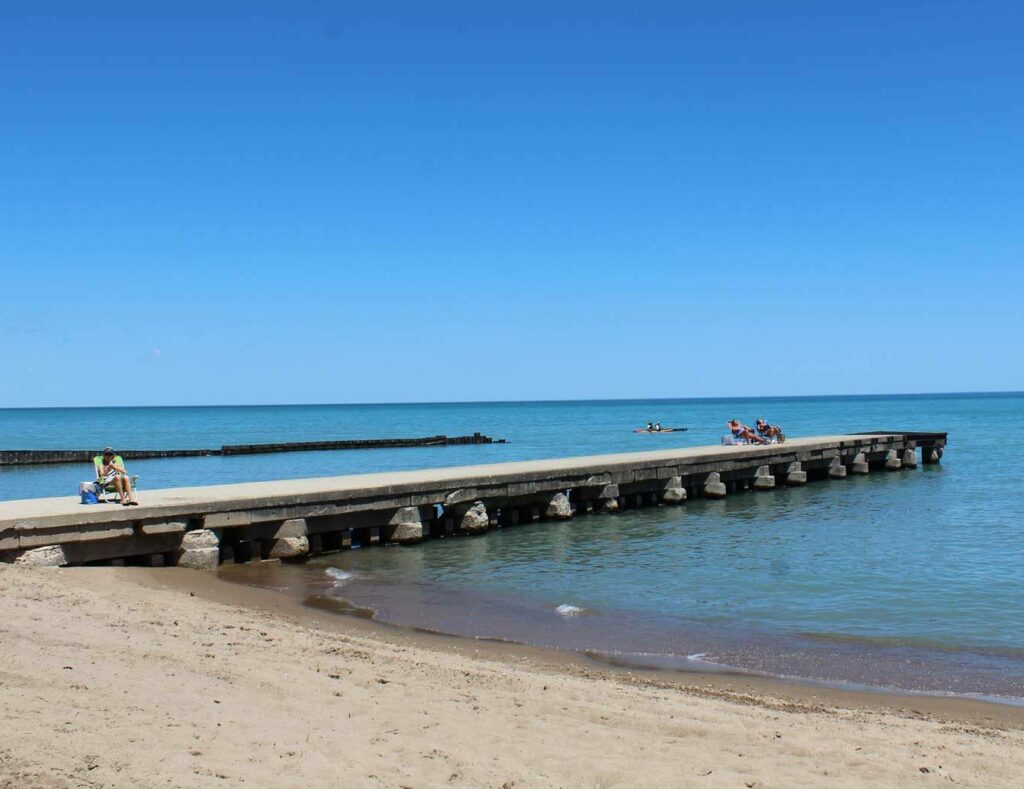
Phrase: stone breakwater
x=293 y=519
x=35 y=457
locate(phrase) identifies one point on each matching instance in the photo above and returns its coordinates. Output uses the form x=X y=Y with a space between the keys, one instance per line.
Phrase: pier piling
x=714 y=488
x=763 y=478
x=795 y=474
x=674 y=492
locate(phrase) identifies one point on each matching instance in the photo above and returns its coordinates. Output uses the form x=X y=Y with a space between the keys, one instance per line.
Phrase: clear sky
x=327 y=202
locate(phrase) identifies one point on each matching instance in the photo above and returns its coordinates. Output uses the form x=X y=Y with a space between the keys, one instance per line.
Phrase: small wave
x=339 y=576
x=565 y=609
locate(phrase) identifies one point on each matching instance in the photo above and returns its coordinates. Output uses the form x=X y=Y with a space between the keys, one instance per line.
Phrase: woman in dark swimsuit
x=767 y=431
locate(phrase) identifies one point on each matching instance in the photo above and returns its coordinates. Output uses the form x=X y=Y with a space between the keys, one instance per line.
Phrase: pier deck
x=290 y=519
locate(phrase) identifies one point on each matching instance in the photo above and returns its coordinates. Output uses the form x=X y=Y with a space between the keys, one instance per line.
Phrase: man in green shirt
x=110 y=471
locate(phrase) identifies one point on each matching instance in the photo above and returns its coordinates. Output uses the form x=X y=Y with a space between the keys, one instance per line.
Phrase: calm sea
x=912 y=580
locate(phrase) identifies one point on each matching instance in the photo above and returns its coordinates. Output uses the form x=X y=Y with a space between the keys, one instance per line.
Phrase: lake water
x=912 y=580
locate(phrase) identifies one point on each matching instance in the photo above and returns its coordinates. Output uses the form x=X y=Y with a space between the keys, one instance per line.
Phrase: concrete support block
x=608 y=499
x=199 y=559
x=909 y=458
x=408 y=533
x=892 y=461
x=931 y=455
x=764 y=479
x=836 y=469
x=795 y=474
x=406 y=526
x=200 y=550
x=474 y=520
x=714 y=488
x=198 y=539
x=674 y=492
x=289 y=548
x=860 y=464
x=293 y=527
x=559 y=508
x=46 y=556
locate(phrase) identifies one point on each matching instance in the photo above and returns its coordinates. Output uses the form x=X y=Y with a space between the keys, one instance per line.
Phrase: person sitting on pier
x=769 y=432
x=740 y=430
x=111 y=474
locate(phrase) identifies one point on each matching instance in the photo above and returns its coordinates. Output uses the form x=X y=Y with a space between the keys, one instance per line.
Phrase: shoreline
x=121 y=677
x=727 y=680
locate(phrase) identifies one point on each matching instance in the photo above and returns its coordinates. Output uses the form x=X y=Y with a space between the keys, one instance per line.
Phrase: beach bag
x=87 y=490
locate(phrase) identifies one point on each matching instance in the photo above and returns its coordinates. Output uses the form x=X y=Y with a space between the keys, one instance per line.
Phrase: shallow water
x=912 y=579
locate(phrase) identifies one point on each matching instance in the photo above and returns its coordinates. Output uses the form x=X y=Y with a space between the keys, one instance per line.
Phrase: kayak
x=663 y=430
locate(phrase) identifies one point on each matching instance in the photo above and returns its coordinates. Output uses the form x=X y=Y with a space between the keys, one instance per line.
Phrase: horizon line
x=511 y=402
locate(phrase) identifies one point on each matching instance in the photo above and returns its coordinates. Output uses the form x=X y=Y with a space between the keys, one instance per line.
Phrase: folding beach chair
x=105 y=490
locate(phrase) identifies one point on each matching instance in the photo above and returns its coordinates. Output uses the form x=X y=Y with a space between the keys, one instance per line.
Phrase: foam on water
x=339 y=575
x=567 y=609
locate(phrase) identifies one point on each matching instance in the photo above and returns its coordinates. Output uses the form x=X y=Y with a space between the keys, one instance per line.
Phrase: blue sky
x=320 y=202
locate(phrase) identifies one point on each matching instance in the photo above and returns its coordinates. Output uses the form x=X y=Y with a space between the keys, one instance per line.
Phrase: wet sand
x=130 y=677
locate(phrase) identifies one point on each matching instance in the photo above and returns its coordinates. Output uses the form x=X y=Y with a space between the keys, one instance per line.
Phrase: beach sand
x=128 y=677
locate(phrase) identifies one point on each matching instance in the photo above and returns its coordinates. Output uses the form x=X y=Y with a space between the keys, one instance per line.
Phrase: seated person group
x=763 y=434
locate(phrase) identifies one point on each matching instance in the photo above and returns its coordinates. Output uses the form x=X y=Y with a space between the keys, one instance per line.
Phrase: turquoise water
x=912 y=579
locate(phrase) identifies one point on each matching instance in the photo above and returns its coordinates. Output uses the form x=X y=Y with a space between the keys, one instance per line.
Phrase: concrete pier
x=292 y=519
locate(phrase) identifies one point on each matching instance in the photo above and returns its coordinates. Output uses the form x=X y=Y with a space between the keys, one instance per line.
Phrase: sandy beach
x=123 y=677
